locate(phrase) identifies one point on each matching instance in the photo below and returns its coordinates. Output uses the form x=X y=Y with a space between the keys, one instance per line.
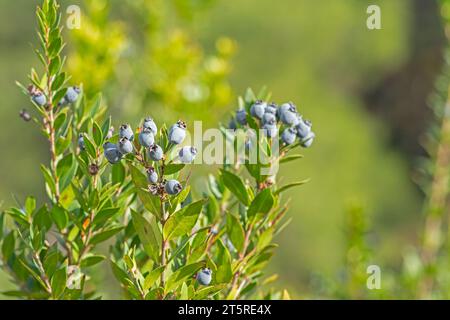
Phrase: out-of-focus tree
x=147 y=59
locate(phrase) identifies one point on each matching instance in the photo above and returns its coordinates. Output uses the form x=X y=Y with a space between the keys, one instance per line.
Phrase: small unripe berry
x=72 y=94
x=177 y=132
x=241 y=117
x=289 y=135
x=81 y=143
x=125 y=131
x=258 y=109
x=150 y=124
x=270 y=130
x=112 y=153
x=25 y=115
x=152 y=176
x=204 y=277
x=39 y=98
x=156 y=153
x=125 y=146
x=173 y=187
x=146 y=137
x=187 y=154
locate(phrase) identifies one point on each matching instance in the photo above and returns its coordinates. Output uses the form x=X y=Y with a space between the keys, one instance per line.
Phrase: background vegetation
x=191 y=57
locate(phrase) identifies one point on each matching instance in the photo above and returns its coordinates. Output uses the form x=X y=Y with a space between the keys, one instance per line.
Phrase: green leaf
x=208 y=292
x=150 y=202
x=33 y=273
x=60 y=217
x=92 y=260
x=90 y=147
x=2 y=223
x=235 y=232
x=262 y=204
x=42 y=219
x=151 y=278
x=249 y=96
x=173 y=168
x=182 y=275
x=148 y=235
x=48 y=178
x=236 y=186
x=98 y=134
x=104 y=235
x=58 y=282
x=182 y=221
x=8 y=246
x=104 y=215
x=291 y=158
x=120 y=275
x=118 y=173
x=30 y=205
x=106 y=126
x=224 y=272
x=291 y=185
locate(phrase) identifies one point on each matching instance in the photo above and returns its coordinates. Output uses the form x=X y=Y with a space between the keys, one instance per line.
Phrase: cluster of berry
x=147 y=133
x=40 y=99
x=270 y=116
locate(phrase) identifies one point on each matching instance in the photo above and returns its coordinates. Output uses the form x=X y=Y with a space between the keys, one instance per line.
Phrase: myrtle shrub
x=130 y=188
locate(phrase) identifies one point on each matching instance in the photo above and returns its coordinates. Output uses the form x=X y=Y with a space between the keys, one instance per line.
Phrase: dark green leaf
x=104 y=235
x=182 y=275
x=90 y=261
x=173 y=168
x=236 y=186
x=224 y=271
x=58 y=282
x=235 y=232
x=140 y=182
x=262 y=204
x=148 y=235
x=60 y=217
x=182 y=221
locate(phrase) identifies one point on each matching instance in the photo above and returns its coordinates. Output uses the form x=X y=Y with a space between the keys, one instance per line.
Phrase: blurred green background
x=318 y=54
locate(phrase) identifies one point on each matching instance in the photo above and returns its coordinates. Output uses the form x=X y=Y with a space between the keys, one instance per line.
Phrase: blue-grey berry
x=270 y=131
x=112 y=153
x=303 y=128
x=288 y=114
x=39 y=98
x=146 y=137
x=272 y=108
x=269 y=119
x=308 y=141
x=125 y=131
x=156 y=153
x=289 y=135
x=258 y=109
x=204 y=277
x=72 y=94
x=81 y=143
x=241 y=117
x=150 y=124
x=177 y=132
x=173 y=187
x=232 y=124
x=125 y=146
x=187 y=154
x=152 y=175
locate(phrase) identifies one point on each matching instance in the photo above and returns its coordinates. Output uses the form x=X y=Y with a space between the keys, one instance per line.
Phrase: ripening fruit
x=112 y=153
x=241 y=117
x=72 y=94
x=187 y=154
x=156 y=153
x=146 y=137
x=152 y=176
x=125 y=131
x=308 y=141
x=232 y=124
x=177 y=132
x=39 y=98
x=81 y=143
x=125 y=146
x=258 y=109
x=303 y=128
x=150 y=124
x=173 y=187
x=204 y=277
x=289 y=135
